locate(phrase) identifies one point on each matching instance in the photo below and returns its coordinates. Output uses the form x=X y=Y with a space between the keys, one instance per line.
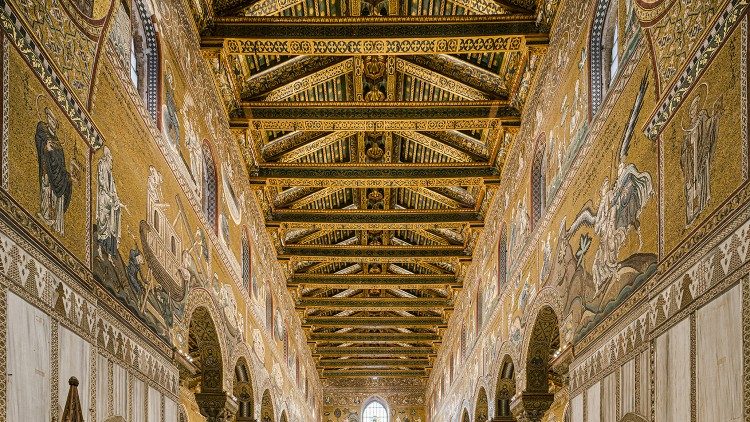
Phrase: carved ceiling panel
x=375 y=133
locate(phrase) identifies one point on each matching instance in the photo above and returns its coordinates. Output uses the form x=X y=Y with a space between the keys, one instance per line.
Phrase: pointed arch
x=210 y=187
x=605 y=52
x=243 y=391
x=479 y=310
x=465 y=417
x=538 y=182
x=205 y=350
x=502 y=260
x=481 y=409
x=375 y=409
x=543 y=342
x=505 y=388
x=137 y=43
x=247 y=274
x=283 y=416
x=266 y=408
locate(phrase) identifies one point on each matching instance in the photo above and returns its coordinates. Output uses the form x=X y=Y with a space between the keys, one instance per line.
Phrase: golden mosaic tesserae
x=374 y=211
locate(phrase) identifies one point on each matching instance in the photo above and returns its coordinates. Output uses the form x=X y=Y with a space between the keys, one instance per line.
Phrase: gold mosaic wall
x=632 y=192
x=114 y=190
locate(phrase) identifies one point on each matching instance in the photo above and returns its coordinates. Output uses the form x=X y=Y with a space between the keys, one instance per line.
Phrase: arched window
x=538 y=185
x=375 y=411
x=269 y=313
x=502 y=260
x=605 y=51
x=463 y=342
x=480 y=311
x=135 y=39
x=246 y=275
x=210 y=189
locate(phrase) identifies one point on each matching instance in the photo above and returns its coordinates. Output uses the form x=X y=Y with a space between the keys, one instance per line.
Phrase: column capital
x=530 y=407
x=216 y=406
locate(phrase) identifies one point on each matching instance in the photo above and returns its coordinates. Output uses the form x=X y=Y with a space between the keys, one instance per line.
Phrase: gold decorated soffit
x=443 y=82
x=374 y=175
x=366 y=281
x=375 y=304
x=305 y=83
x=348 y=373
x=396 y=35
x=362 y=219
x=373 y=351
x=359 y=253
x=374 y=322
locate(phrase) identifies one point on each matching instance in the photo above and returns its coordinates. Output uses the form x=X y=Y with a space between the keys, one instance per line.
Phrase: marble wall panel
x=627 y=387
x=719 y=358
x=593 y=403
x=29 y=371
x=74 y=361
x=673 y=374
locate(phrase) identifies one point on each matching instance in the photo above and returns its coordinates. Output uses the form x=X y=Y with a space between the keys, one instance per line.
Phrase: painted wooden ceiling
x=375 y=132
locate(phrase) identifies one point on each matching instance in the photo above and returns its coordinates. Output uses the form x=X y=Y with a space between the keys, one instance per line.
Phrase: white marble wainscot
x=56 y=329
x=29 y=371
x=718 y=353
x=673 y=374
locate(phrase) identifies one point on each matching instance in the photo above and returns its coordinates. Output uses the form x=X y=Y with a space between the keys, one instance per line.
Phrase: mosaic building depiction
x=374 y=211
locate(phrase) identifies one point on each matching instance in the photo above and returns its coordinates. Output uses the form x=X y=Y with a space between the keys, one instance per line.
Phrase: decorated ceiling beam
x=442 y=81
x=310 y=81
x=368 y=111
x=313 y=145
x=373 y=351
x=290 y=141
x=348 y=373
x=285 y=73
x=392 y=35
x=374 y=363
x=373 y=281
x=374 y=322
x=357 y=173
x=461 y=142
x=323 y=252
x=480 y=79
x=398 y=337
x=362 y=218
x=334 y=123
x=374 y=303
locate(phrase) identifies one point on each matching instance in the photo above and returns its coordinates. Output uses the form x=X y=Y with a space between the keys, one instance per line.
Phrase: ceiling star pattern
x=374 y=132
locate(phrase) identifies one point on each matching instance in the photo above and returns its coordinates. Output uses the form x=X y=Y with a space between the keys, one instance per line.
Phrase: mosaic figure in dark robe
x=55 y=183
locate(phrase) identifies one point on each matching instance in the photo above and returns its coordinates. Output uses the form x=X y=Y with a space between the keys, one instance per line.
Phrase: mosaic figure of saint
x=55 y=183
x=699 y=142
x=108 y=208
x=172 y=123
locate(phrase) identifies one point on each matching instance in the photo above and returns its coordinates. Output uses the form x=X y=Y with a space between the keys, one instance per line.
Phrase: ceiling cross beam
x=375 y=322
x=350 y=337
x=373 y=351
x=378 y=218
x=369 y=281
x=374 y=303
x=374 y=363
x=393 y=35
x=314 y=252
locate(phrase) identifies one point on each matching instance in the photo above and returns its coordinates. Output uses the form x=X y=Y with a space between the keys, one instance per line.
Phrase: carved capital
x=216 y=406
x=560 y=365
x=530 y=407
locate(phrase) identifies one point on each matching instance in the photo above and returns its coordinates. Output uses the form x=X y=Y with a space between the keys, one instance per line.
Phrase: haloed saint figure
x=55 y=184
